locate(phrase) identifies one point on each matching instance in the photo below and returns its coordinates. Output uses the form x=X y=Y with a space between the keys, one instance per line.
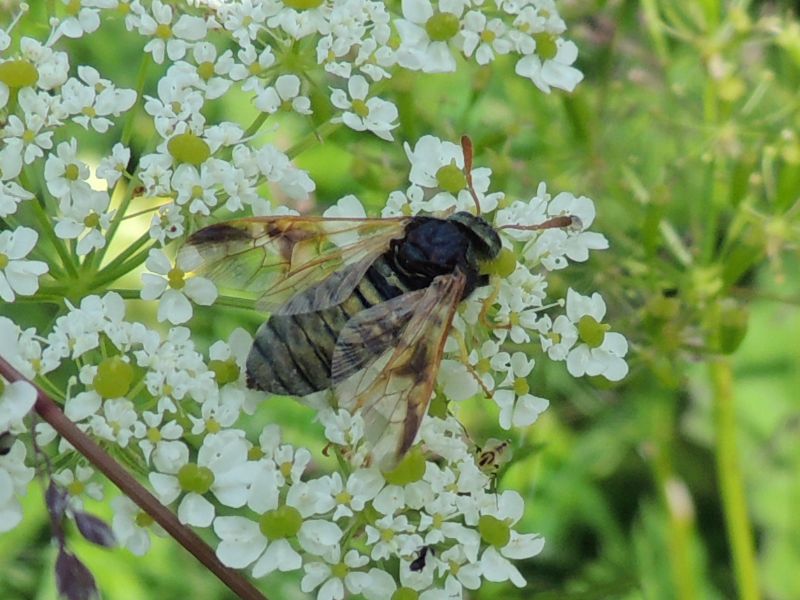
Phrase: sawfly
x=362 y=306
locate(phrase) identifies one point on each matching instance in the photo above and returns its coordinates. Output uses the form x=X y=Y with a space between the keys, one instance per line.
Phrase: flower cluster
x=434 y=524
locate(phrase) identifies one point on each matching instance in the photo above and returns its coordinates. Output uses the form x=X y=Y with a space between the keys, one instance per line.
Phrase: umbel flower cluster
x=176 y=415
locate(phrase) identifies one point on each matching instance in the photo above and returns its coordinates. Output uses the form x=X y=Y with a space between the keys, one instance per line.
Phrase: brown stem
x=50 y=412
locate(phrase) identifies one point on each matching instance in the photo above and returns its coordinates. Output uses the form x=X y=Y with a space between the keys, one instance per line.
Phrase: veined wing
x=274 y=259
x=393 y=391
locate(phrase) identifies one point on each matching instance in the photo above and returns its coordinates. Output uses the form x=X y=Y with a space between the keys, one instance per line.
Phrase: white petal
x=523 y=546
x=280 y=556
x=81 y=406
x=242 y=541
x=317 y=536
x=358 y=87
x=174 y=307
x=527 y=410
x=201 y=291
x=195 y=510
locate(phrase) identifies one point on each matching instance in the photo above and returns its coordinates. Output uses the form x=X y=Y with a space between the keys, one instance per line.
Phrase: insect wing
x=275 y=259
x=369 y=334
x=394 y=391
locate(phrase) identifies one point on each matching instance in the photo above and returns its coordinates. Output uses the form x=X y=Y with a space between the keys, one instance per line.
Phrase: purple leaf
x=95 y=530
x=73 y=579
x=56 y=499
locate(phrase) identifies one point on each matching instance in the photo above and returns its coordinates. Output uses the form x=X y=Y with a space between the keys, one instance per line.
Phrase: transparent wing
x=272 y=260
x=394 y=389
x=370 y=333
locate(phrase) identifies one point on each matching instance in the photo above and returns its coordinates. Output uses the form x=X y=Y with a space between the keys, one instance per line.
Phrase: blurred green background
x=682 y=481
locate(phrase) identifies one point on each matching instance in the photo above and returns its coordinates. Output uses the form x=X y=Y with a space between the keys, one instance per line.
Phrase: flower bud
x=114 y=377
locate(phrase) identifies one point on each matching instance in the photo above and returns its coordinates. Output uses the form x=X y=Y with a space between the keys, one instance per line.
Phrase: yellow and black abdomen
x=291 y=354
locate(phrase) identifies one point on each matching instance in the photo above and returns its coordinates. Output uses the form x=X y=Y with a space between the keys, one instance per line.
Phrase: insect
x=493 y=455
x=6 y=442
x=418 y=564
x=361 y=306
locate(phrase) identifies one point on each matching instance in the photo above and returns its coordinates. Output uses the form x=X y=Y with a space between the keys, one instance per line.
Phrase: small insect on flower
x=493 y=455
x=418 y=564
x=6 y=442
x=362 y=306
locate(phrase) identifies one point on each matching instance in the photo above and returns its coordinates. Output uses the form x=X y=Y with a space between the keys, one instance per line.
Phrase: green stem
x=125 y=138
x=127 y=295
x=313 y=138
x=130 y=118
x=121 y=265
x=47 y=229
x=256 y=124
x=655 y=28
x=737 y=521
x=681 y=520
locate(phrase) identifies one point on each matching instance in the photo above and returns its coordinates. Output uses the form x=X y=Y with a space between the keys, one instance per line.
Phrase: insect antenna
x=560 y=222
x=466 y=148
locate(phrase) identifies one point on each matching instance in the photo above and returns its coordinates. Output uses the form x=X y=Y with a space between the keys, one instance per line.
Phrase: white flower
x=484 y=37
x=554 y=70
x=52 y=66
x=117 y=423
x=300 y=23
x=78 y=331
x=222 y=468
x=600 y=352
x=25 y=141
x=333 y=576
x=265 y=544
x=430 y=159
x=518 y=407
x=132 y=526
x=11 y=195
x=252 y=62
x=79 y=22
x=362 y=486
x=418 y=50
x=578 y=242
x=341 y=426
x=167 y=36
x=94 y=100
x=14 y=480
x=20 y=348
x=18 y=276
x=210 y=73
x=66 y=176
x=174 y=288
x=159 y=440
x=373 y=114
x=242 y=543
x=112 y=167
x=465 y=574
x=199 y=188
x=557 y=337
x=16 y=400
x=225 y=454
x=391 y=536
x=86 y=217
x=167 y=223
x=284 y=94
x=177 y=105
x=495 y=566
x=78 y=484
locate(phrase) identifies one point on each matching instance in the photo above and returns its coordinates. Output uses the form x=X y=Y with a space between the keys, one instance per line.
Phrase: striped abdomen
x=292 y=354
